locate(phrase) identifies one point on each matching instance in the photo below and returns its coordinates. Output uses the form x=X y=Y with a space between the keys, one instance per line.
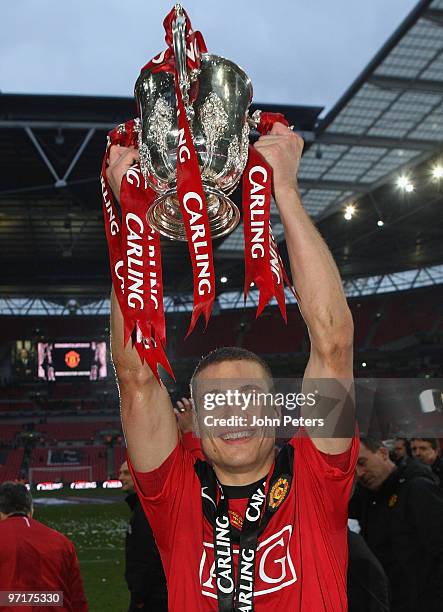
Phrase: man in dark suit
x=427 y=450
x=144 y=571
x=400 y=511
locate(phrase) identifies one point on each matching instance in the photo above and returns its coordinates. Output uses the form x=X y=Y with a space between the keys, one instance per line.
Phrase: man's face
x=423 y=451
x=126 y=478
x=400 y=449
x=373 y=468
x=238 y=447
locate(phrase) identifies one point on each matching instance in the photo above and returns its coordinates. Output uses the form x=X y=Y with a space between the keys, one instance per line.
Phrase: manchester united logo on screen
x=72 y=359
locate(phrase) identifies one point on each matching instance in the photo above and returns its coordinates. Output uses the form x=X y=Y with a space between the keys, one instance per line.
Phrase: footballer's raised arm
x=148 y=418
x=322 y=300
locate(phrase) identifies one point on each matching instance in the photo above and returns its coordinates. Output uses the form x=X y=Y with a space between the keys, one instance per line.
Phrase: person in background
x=427 y=450
x=368 y=587
x=400 y=511
x=34 y=557
x=185 y=415
x=402 y=450
x=144 y=571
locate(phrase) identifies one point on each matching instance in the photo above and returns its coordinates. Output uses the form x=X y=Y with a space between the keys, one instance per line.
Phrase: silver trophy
x=216 y=99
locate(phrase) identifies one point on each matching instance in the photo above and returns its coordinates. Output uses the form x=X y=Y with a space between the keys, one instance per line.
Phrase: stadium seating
x=222 y=331
x=119 y=457
x=269 y=333
x=364 y=313
x=64 y=430
x=88 y=456
x=406 y=315
x=10 y=464
x=8 y=432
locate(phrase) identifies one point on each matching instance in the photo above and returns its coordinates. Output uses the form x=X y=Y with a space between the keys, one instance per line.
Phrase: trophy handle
x=179 y=45
x=254 y=120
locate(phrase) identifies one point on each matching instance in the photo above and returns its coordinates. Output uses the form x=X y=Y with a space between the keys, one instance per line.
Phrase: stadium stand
x=10 y=464
x=405 y=317
x=58 y=466
x=119 y=457
x=65 y=430
x=9 y=431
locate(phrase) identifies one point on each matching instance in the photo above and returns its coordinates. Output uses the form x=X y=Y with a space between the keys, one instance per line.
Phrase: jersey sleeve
x=325 y=480
x=167 y=495
x=193 y=445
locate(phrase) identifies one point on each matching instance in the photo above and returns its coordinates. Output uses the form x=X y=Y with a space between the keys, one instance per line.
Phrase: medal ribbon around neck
x=238 y=595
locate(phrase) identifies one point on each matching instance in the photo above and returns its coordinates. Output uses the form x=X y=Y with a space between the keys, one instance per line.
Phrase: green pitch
x=98 y=532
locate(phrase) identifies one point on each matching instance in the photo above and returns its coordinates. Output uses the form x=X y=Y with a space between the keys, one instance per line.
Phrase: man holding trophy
x=246 y=529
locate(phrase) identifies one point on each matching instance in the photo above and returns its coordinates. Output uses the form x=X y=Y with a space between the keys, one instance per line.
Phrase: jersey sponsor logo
x=274 y=567
x=278 y=493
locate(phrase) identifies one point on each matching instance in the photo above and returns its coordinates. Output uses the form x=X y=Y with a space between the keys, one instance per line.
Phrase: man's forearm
x=148 y=419
x=125 y=358
x=315 y=276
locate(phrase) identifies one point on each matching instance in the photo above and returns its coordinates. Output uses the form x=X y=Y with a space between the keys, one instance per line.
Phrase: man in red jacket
x=34 y=557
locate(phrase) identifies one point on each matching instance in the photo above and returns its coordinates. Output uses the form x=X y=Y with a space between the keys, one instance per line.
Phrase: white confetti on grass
x=88 y=532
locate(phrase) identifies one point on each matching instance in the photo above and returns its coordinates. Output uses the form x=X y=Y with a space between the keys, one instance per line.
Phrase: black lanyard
x=262 y=505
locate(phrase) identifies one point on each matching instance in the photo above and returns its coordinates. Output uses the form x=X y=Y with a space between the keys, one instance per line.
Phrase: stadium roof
x=390 y=117
x=390 y=121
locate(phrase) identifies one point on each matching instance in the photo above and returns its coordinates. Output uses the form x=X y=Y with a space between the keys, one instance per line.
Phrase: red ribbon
x=263 y=264
x=189 y=185
x=195 y=217
x=195 y=46
x=134 y=254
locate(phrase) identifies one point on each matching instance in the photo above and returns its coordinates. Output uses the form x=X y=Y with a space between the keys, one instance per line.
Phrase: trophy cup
x=216 y=97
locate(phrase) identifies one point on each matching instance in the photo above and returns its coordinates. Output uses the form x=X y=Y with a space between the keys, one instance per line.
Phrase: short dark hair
x=15 y=497
x=372 y=443
x=229 y=353
x=435 y=445
x=406 y=443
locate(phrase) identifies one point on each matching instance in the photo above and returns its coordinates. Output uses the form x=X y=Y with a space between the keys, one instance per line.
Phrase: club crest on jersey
x=278 y=492
x=392 y=500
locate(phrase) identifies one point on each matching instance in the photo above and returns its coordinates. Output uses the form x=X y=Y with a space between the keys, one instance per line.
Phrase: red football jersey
x=34 y=557
x=301 y=560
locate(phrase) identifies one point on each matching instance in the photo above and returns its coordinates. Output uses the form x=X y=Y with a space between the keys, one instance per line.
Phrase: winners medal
x=192 y=133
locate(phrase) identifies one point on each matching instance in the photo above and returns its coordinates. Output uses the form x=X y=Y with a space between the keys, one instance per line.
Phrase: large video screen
x=65 y=360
